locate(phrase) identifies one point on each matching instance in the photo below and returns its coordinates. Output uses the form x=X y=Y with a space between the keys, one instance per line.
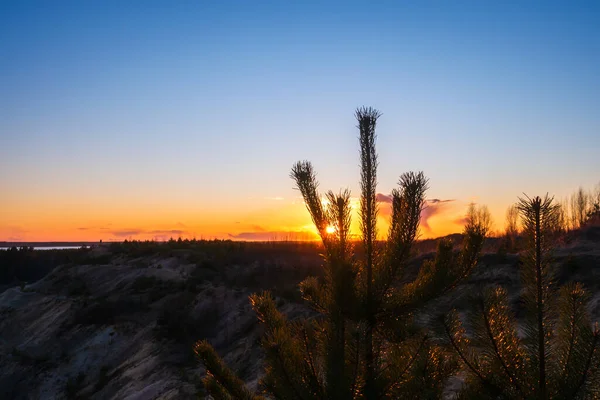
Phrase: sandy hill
x=119 y=321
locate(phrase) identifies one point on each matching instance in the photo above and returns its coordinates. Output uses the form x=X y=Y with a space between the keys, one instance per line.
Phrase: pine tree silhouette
x=365 y=344
x=553 y=354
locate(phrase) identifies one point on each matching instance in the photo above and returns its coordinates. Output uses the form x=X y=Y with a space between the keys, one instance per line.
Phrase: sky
x=149 y=120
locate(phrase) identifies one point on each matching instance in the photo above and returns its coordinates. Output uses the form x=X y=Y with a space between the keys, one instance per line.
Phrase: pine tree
x=553 y=353
x=365 y=343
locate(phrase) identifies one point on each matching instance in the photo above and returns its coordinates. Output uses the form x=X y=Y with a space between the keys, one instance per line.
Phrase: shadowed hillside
x=120 y=320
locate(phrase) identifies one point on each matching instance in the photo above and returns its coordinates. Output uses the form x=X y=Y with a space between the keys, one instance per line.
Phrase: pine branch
x=492 y=340
x=588 y=364
x=337 y=385
x=356 y=355
x=571 y=325
x=405 y=370
x=216 y=390
x=536 y=213
x=429 y=283
x=288 y=380
x=340 y=267
x=570 y=350
x=450 y=335
x=407 y=204
x=306 y=181
x=339 y=213
x=438 y=277
x=220 y=377
x=289 y=371
x=313 y=292
x=315 y=383
x=367 y=119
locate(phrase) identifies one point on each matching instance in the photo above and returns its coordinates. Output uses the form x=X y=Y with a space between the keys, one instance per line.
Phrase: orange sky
x=129 y=122
x=272 y=218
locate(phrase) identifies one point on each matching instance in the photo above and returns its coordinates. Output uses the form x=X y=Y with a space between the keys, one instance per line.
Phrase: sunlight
x=330 y=229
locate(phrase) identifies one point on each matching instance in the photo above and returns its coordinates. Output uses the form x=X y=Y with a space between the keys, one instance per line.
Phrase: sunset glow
x=151 y=123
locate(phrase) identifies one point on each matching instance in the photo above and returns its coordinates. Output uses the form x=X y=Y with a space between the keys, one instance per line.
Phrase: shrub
x=557 y=354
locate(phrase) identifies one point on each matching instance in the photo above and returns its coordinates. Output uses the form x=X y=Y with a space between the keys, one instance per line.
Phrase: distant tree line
x=19 y=265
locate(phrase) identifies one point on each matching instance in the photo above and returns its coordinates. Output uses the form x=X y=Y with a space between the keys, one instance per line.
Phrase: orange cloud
x=154 y=232
x=433 y=208
x=274 y=236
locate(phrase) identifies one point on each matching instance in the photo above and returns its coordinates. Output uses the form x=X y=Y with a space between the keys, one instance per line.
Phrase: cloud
x=159 y=234
x=436 y=201
x=90 y=228
x=16 y=233
x=167 y=232
x=251 y=227
x=460 y=220
x=277 y=198
x=273 y=236
x=127 y=232
x=383 y=198
x=432 y=207
x=16 y=230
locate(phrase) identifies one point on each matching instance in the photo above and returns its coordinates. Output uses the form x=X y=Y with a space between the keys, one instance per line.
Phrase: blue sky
x=208 y=104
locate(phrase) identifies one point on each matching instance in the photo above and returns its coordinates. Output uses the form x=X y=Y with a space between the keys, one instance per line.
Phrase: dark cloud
x=436 y=201
x=273 y=236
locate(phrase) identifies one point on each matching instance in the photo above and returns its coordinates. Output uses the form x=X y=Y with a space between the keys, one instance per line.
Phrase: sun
x=330 y=229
